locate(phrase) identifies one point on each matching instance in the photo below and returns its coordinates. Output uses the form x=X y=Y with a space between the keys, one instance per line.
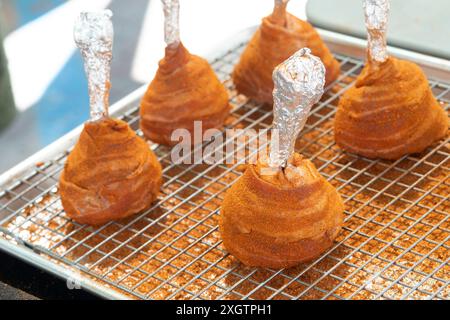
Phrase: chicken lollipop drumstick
x=281 y=213
x=111 y=173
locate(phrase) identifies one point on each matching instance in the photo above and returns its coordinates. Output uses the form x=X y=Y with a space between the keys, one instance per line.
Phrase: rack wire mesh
x=395 y=243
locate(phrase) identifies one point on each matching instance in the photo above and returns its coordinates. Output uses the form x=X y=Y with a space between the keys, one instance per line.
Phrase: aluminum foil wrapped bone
x=376 y=13
x=94 y=35
x=299 y=84
x=172 y=22
x=281 y=3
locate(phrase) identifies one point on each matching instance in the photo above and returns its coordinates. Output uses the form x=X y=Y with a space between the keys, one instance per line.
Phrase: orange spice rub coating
x=185 y=89
x=111 y=174
x=279 y=37
x=390 y=112
x=281 y=220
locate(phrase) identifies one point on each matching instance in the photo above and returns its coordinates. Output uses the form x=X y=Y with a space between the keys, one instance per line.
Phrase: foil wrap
x=94 y=35
x=280 y=3
x=376 y=13
x=172 y=22
x=299 y=84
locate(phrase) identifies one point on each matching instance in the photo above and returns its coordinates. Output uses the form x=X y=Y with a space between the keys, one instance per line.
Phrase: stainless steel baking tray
x=395 y=244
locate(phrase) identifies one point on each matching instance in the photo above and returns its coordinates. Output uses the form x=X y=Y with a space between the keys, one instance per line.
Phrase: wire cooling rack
x=395 y=243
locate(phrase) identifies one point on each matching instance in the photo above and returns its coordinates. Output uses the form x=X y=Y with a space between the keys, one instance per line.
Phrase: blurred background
x=46 y=70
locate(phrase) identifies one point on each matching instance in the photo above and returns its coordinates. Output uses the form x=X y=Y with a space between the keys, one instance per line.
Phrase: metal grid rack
x=395 y=244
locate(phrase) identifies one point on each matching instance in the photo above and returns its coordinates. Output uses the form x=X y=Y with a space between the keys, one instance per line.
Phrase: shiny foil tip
x=299 y=84
x=93 y=34
x=172 y=22
x=377 y=18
